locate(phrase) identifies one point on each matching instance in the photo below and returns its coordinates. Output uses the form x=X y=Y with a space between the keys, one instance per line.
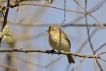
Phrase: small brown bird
x=58 y=40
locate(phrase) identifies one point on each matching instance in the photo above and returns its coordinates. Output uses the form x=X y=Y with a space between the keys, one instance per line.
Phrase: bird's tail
x=70 y=59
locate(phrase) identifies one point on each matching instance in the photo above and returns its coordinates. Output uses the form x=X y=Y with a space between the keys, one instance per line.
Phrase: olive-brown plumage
x=58 y=40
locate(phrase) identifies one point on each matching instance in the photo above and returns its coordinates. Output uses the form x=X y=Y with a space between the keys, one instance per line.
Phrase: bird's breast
x=59 y=43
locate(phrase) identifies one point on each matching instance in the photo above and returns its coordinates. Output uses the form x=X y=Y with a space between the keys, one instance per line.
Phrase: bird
x=58 y=40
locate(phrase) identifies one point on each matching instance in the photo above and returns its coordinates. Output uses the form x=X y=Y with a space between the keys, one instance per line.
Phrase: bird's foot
x=51 y=51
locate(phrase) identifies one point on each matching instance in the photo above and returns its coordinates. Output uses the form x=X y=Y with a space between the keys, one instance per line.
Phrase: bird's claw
x=51 y=51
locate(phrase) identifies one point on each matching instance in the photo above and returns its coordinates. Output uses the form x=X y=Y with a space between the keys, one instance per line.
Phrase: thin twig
x=85 y=42
x=52 y=62
x=10 y=67
x=28 y=24
x=5 y=19
x=79 y=64
x=95 y=64
x=90 y=14
x=3 y=14
x=102 y=53
x=100 y=47
x=88 y=33
x=102 y=59
x=26 y=61
x=64 y=12
x=13 y=4
x=17 y=1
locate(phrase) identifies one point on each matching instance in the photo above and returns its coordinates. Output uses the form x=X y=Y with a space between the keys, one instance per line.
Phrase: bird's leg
x=59 y=52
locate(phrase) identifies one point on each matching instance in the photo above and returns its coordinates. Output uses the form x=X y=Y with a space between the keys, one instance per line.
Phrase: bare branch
x=95 y=64
x=90 y=14
x=10 y=67
x=79 y=64
x=49 y=51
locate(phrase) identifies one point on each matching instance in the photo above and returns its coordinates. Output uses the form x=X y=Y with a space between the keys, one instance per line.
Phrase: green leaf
x=6 y=34
x=5 y=30
x=7 y=38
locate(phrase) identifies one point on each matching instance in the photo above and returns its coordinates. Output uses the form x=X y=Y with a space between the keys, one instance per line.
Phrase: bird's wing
x=66 y=38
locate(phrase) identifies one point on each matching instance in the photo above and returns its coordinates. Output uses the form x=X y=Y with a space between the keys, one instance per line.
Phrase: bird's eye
x=51 y=29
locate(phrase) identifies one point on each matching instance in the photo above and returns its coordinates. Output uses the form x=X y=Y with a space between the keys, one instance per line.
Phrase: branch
x=24 y=60
x=90 y=14
x=49 y=51
x=95 y=64
x=5 y=19
x=10 y=67
x=73 y=69
x=15 y=4
x=28 y=24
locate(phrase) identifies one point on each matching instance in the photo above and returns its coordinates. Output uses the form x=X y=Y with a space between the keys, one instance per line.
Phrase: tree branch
x=49 y=51
x=5 y=19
